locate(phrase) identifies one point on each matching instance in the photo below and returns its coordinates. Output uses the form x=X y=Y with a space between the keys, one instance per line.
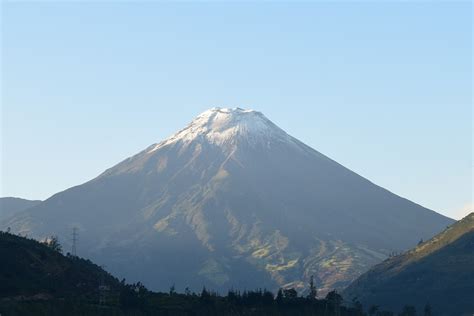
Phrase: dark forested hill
x=29 y=268
x=13 y=205
x=439 y=271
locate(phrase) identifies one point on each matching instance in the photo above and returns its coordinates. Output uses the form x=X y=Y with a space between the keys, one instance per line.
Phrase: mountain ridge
x=10 y=205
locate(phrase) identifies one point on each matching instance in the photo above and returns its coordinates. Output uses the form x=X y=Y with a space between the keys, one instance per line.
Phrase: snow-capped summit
x=224 y=126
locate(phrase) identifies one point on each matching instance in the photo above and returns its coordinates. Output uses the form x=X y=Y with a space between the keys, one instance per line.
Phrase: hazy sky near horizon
x=383 y=88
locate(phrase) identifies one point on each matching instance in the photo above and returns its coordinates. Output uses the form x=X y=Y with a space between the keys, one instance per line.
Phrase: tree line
x=135 y=297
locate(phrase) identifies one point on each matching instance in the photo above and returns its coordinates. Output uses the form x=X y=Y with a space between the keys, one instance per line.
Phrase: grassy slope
x=440 y=272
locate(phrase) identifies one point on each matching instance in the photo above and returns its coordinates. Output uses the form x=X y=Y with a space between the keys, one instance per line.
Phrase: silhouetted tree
x=312 y=289
x=290 y=295
x=408 y=310
x=267 y=297
x=373 y=310
x=129 y=296
x=205 y=296
x=428 y=310
x=232 y=297
x=53 y=243
x=358 y=308
x=279 y=297
x=334 y=301
x=187 y=291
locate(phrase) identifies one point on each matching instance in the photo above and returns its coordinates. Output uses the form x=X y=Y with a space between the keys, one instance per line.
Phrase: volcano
x=232 y=201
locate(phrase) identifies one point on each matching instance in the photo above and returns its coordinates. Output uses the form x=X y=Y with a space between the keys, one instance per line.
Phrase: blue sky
x=384 y=88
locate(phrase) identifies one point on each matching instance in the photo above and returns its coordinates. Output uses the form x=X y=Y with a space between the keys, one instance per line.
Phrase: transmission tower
x=74 y=241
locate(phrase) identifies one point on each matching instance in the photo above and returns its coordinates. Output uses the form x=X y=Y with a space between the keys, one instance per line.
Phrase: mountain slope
x=439 y=272
x=12 y=205
x=232 y=201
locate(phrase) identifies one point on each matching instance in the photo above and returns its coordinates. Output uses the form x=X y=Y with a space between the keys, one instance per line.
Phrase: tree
x=373 y=310
x=187 y=291
x=172 y=290
x=428 y=310
x=279 y=297
x=358 y=308
x=53 y=243
x=334 y=300
x=129 y=296
x=205 y=296
x=408 y=310
x=312 y=289
x=290 y=294
x=267 y=297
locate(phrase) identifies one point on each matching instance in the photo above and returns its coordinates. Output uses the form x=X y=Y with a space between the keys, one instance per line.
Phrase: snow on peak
x=227 y=125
